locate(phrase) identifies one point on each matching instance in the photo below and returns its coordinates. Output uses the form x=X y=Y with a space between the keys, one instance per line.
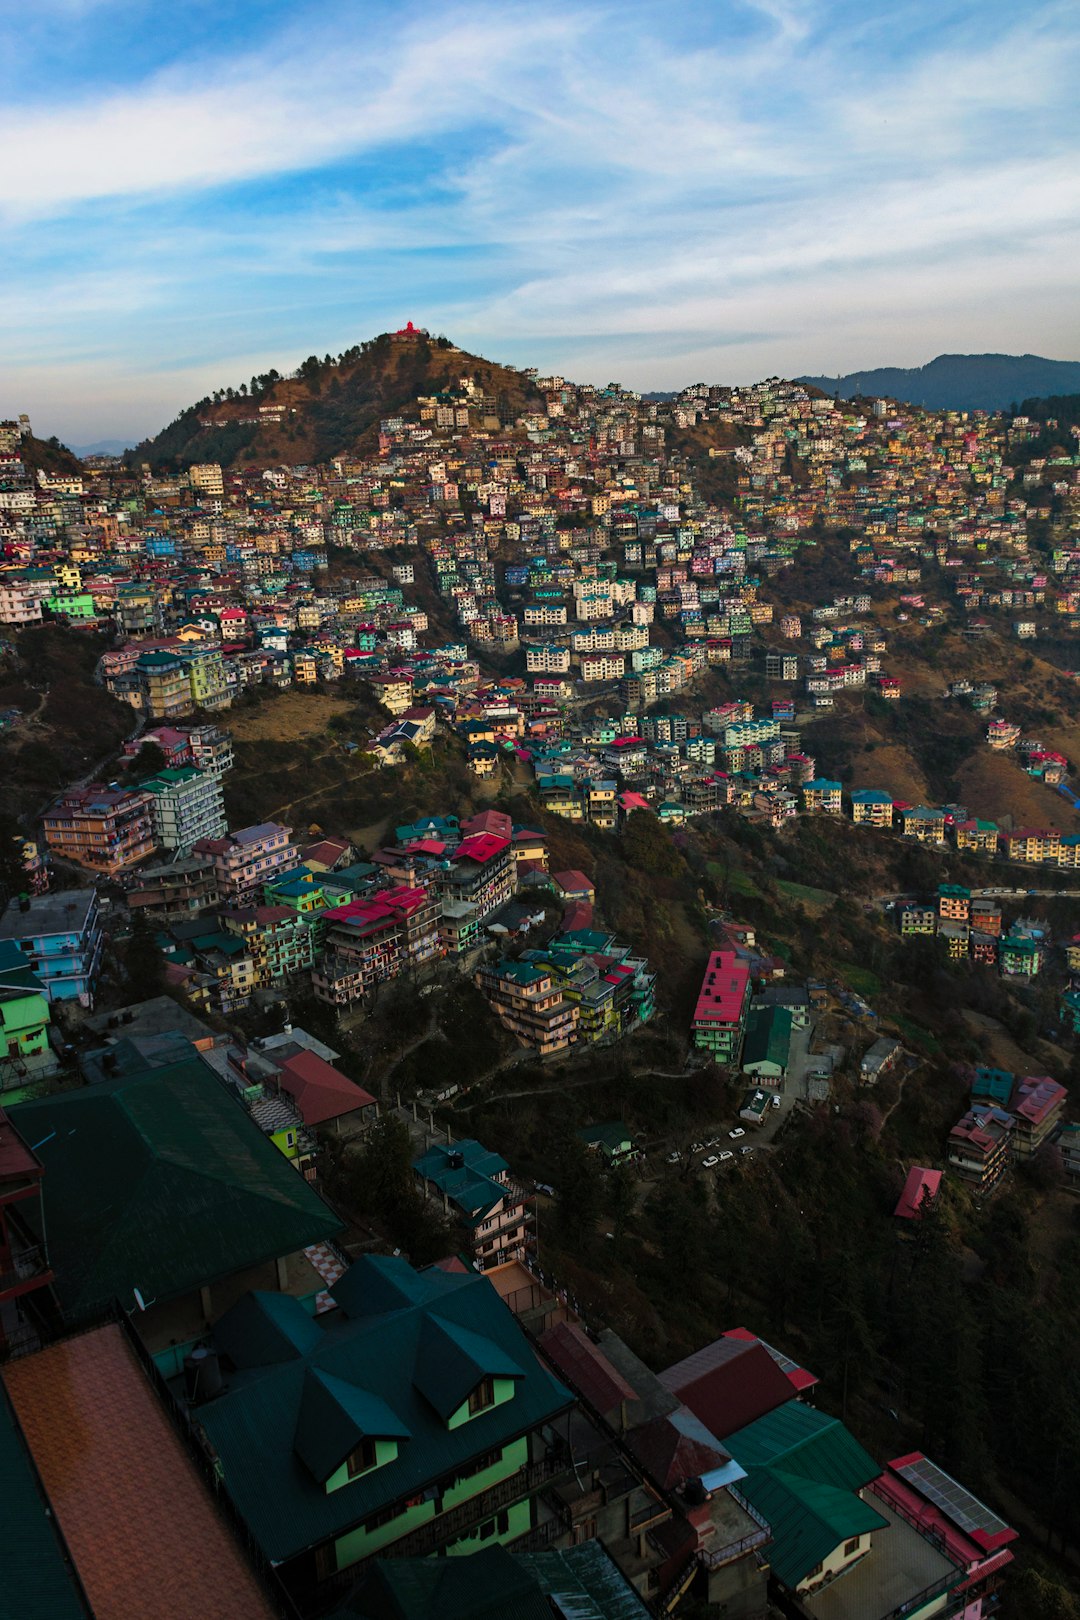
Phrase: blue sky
x=656 y=193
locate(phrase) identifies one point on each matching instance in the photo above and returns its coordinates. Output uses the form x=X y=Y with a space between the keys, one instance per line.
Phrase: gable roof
x=808 y=1519
x=729 y=1384
x=804 y=1441
x=335 y=1416
x=160 y=1181
x=320 y=1091
x=411 y=1339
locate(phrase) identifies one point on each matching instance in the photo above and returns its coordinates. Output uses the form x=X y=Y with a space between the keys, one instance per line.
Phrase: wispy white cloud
x=508 y=174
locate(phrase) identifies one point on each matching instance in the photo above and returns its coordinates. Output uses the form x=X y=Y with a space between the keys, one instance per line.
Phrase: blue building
x=60 y=935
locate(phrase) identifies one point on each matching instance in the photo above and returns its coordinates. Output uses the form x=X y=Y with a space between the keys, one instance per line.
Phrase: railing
x=935 y=1537
x=25 y=1265
x=458 y=1521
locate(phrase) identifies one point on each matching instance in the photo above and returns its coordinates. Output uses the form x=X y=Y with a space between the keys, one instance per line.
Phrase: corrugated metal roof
x=161 y=1182
x=379 y=1344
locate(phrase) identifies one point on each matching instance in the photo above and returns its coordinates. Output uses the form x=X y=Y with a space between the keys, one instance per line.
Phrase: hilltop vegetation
x=327 y=407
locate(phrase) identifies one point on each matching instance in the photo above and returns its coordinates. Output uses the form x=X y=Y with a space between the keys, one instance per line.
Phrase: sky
x=658 y=194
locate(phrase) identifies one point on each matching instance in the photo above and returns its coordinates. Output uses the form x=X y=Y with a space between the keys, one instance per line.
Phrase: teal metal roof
x=808 y=1519
x=334 y=1417
x=768 y=1036
x=37 y=1583
x=451 y=1361
x=490 y=1585
x=804 y=1441
x=410 y=1339
x=494 y=1584
x=161 y=1181
x=262 y=1328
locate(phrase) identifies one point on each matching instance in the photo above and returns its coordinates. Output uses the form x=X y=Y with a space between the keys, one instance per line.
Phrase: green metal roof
x=411 y=1339
x=37 y=1583
x=494 y=1584
x=768 y=1036
x=451 y=1360
x=160 y=1181
x=490 y=1585
x=334 y=1417
x=809 y=1519
x=804 y=1441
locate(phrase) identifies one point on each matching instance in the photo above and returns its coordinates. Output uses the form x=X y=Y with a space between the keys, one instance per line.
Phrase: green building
x=25 y=1053
x=415 y=1417
x=767 y=1046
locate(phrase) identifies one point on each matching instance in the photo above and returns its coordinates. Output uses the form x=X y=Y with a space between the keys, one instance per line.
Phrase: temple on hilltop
x=408 y=331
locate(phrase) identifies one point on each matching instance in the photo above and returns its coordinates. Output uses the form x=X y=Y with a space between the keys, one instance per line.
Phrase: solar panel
x=954 y=1501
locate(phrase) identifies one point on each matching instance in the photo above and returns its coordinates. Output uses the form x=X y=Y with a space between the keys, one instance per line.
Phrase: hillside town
x=604 y=609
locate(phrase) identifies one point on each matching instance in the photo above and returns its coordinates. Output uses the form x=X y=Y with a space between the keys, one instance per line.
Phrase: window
x=851 y=1546
x=482 y=1396
x=362 y=1458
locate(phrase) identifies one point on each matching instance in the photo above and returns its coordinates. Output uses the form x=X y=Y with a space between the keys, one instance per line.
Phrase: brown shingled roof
x=140 y=1526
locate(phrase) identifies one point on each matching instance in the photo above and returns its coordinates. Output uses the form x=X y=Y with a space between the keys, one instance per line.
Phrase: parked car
x=776 y=1102
x=710 y=1163
x=736 y=1133
x=726 y=1156
x=747 y=1149
x=673 y=1157
x=697 y=1147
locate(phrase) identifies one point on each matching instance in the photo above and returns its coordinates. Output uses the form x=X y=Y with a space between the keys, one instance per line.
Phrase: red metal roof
x=320 y=1091
x=723 y=989
x=920 y=1185
x=729 y=1384
x=587 y=1368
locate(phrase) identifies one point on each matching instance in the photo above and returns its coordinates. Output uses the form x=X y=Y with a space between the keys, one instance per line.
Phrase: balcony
x=458 y=1521
x=27 y=1265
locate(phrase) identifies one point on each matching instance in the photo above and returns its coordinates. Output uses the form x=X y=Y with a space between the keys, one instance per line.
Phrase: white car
x=736 y=1133
x=746 y=1149
x=776 y=1102
x=710 y=1163
x=673 y=1158
x=697 y=1147
x=726 y=1156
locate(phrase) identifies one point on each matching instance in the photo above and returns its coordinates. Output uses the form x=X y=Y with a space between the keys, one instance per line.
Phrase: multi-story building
x=924 y=824
x=371 y=940
x=1037 y=1105
x=104 y=829
x=980 y=837
x=979 y=1147
x=411 y=1420
x=164 y=686
x=60 y=935
x=871 y=807
x=954 y=903
x=25 y=1053
x=474 y=1186
x=186 y=805
x=527 y=1000
x=245 y=860
x=478 y=878
x=279 y=940
x=26 y=1309
x=720 y=1015
x=821 y=797
x=176 y=889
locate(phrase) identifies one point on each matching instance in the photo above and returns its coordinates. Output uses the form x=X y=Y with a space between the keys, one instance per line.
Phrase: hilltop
x=960 y=382
x=331 y=406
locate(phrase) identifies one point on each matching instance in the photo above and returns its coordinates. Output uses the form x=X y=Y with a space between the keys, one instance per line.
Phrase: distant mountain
x=102 y=447
x=329 y=407
x=961 y=382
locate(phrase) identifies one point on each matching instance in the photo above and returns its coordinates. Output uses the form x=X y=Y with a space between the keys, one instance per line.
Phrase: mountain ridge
x=960 y=382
